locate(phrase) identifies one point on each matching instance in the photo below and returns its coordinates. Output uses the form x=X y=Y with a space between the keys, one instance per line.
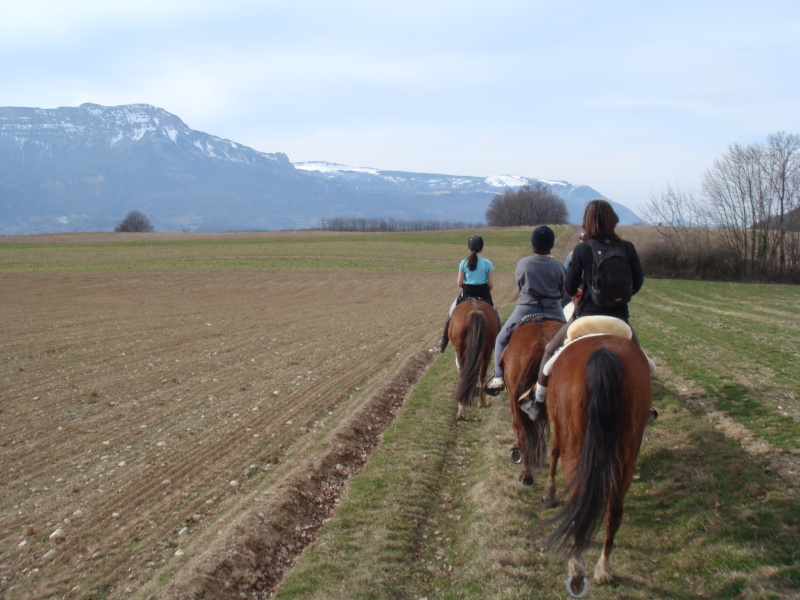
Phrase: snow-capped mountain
x=472 y=193
x=83 y=168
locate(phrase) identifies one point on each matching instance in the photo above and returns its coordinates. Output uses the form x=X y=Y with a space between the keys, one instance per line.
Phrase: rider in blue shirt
x=475 y=279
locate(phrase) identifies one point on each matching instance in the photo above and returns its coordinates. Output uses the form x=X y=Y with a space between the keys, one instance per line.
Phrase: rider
x=540 y=281
x=599 y=223
x=475 y=279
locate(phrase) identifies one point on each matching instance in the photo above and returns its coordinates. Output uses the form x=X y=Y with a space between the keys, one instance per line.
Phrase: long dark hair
x=599 y=221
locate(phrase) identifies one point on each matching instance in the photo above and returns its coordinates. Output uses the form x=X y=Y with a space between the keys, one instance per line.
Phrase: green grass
x=407 y=252
x=438 y=513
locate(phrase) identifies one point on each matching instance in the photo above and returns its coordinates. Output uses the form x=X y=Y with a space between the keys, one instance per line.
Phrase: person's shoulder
x=526 y=259
x=486 y=260
x=582 y=249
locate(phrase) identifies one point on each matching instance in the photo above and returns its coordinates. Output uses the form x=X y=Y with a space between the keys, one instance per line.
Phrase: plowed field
x=186 y=409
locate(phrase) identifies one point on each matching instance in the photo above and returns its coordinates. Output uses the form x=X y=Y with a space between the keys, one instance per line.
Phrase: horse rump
x=592 y=484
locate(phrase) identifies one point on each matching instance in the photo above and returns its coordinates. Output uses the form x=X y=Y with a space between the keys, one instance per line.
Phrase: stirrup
x=494 y=390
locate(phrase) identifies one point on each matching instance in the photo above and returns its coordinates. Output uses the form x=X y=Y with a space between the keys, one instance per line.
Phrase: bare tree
x=737 y=194
x=752 y=199
x=134 y=221
x=677 y=217
x=783 y=171
x=526 y=206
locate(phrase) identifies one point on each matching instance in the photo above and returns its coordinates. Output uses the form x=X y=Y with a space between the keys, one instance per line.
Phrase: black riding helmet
x=475 y=243
x=543 y=239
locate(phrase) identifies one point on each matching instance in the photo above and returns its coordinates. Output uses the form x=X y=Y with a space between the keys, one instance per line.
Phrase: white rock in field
x=58 y=534
x=50 y=555
x=78 y=513
x=179 y=552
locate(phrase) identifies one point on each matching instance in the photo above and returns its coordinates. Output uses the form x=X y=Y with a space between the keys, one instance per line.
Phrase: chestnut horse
x=598 y=401
x=472 y=331
x=520 y=363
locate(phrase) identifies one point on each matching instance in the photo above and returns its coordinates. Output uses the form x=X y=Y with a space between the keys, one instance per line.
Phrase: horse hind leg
x=550 y=489
x=602 y=570
x=576 y=571
x=481 y=380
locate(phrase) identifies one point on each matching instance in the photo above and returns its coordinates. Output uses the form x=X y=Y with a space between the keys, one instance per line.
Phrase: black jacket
x=581 y=273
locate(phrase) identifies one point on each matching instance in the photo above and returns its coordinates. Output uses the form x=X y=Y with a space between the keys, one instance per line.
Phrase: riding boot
x=534 y=407
x=445 y=338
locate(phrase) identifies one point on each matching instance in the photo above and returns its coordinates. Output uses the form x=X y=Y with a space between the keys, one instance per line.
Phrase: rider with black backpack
x=608 y=270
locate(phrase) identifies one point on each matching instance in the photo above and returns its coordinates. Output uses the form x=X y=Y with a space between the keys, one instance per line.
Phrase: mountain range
x=84 y=168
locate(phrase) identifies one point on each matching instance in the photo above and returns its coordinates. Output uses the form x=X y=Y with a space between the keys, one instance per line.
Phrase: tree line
x=363 y=224
x=746 y=224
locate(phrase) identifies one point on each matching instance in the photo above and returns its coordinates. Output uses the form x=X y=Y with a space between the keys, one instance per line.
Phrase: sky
x=627 y=97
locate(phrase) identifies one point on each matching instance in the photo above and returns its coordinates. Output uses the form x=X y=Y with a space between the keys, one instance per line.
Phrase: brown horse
x=598 y=402
x=520 y=363
x=472 y=331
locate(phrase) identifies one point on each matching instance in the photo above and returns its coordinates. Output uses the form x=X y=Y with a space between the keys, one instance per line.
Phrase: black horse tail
x=591 y=488
x=469 y=360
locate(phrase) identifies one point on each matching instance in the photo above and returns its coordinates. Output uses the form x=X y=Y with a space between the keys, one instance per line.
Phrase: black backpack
x=613 y=279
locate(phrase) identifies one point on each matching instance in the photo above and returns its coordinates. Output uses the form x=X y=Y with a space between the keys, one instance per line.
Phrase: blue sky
x=627 y=97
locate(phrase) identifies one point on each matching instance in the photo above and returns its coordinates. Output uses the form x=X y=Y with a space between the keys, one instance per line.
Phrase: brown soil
x=188 y=433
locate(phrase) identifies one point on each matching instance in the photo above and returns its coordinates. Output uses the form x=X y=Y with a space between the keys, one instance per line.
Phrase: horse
x=472 y=331
x=598 y=402
x=520 y=362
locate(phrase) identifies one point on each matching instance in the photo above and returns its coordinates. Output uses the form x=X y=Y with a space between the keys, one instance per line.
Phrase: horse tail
x=470 y=358
x=593 y=483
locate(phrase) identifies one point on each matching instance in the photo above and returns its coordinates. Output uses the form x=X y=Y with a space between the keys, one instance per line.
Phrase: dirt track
x=190 y=427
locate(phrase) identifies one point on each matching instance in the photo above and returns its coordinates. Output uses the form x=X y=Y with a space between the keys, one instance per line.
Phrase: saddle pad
x=598 y=324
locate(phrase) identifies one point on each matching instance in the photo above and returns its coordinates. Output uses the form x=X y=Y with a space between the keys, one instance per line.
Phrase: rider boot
x=445 y=338
x=534 y=406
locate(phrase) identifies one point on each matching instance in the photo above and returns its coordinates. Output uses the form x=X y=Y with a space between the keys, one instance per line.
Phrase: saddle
x=597 y=324
x=592 y=325
x=533 y=318
x=461 y=299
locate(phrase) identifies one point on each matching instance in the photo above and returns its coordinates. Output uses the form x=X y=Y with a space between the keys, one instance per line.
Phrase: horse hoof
x=526 y=479
x=602 y=579
x=577 y=587
x=515 y=455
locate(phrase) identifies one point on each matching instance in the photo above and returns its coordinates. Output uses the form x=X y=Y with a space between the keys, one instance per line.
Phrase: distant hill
x=83 y=169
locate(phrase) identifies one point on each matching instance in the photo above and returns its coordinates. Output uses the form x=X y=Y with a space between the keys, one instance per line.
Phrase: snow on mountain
x=507 y=181
x=328 y=167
